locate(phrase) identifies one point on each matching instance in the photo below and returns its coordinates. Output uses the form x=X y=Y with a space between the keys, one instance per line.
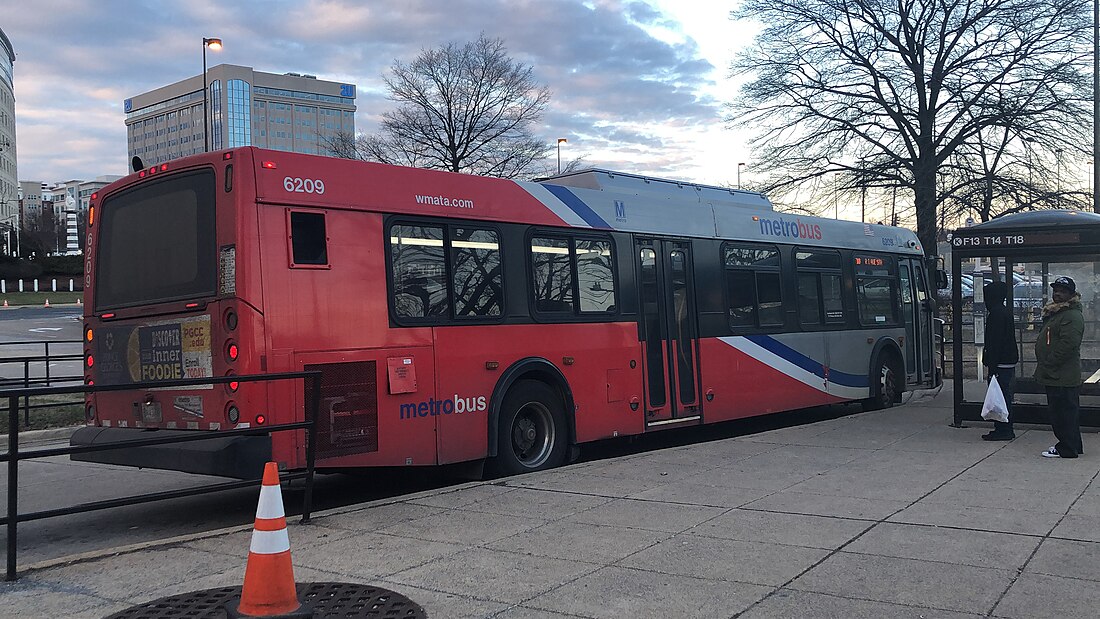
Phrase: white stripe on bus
x=803 y=376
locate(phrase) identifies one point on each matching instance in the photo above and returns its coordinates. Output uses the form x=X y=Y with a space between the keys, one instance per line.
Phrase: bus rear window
x=156 y=243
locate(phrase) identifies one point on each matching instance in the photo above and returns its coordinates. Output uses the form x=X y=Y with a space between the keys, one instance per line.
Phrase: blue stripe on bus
x=789 y=354
x=584 y=211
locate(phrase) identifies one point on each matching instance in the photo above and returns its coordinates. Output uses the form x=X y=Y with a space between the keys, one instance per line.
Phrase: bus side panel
x=341 y=308
x=369 y=416
x=600 y=377
x=248 y=284
x=341 y=305
x=851 y=353
x=748 y=378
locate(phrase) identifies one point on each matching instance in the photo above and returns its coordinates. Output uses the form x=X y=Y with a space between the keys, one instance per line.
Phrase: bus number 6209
x=303 y=185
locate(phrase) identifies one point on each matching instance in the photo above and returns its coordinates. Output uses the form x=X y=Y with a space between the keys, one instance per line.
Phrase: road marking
x=42 y=329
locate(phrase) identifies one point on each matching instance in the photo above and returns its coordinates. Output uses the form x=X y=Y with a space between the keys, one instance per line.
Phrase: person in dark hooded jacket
x=1001 y=353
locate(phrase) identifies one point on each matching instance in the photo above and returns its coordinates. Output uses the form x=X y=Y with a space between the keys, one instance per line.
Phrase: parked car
x=966 y=285
x=1028 y=298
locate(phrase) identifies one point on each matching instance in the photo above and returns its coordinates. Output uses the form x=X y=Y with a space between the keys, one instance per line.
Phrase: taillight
x=230 y=320
x=89 y=413
x=260 y=420
x=90 y=361
x=232 y=351
x=231 y=387
x=232 y=413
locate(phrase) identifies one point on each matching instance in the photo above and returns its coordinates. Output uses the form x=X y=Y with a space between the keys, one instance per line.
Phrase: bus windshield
x=157 y=243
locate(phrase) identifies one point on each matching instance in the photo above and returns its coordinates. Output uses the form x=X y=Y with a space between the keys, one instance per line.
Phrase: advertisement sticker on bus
x=170 y=350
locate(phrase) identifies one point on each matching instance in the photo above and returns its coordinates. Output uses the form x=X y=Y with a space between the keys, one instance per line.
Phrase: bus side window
x=753 y=284
x=418 y=272
x=309 y=244
x=552 y=274
x=595 y=275
x=820 y=298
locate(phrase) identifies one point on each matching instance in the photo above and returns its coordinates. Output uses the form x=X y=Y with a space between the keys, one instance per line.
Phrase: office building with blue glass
x=291 y=112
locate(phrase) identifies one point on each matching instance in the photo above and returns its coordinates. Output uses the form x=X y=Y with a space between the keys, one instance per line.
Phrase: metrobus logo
x=785 y=227
x=452 y=406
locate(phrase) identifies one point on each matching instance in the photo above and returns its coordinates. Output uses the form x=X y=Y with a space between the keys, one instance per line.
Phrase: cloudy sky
x=638 y=85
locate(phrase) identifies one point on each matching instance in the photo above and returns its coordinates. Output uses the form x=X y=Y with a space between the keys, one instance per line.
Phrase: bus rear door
x=668 y=331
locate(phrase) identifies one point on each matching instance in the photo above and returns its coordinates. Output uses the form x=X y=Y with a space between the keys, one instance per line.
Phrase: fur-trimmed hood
x=1053 y=308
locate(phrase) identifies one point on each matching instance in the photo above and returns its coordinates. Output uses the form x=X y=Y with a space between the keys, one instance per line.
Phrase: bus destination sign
x=1017 y=239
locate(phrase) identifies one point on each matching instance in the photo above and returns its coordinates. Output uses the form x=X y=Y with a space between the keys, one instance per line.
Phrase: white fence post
x=36 y=284
x=20 y=284
x=4 y=286
x=70 y=285
x=53 y=285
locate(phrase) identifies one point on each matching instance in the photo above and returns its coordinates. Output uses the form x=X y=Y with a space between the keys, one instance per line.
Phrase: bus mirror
x=941 y=279
x=939 y=267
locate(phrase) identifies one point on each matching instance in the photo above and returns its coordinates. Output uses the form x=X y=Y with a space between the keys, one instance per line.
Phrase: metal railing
x=43 y=378
x=14 y=455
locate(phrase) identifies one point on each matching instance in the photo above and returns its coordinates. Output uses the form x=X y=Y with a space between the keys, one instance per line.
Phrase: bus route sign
x=1017 y=239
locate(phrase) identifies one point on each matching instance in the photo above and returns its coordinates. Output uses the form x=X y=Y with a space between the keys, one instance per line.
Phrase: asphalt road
x=24 y=332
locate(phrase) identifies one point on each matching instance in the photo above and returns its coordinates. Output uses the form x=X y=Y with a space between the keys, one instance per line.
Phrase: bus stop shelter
x=1027 y=251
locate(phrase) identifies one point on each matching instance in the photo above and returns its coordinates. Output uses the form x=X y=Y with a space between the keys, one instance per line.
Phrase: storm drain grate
x=326 y=599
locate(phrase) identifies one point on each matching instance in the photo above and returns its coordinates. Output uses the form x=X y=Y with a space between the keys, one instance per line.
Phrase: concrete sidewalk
x=885 y=514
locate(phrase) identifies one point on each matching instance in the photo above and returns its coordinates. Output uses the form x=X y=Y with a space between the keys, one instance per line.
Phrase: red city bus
x=457 y=318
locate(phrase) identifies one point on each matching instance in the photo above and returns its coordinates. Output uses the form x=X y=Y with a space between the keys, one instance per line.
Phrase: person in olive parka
x=1058 y=367
x=1001 y=354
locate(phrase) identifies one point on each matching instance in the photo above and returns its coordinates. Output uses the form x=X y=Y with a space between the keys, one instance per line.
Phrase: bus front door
x=668 y=331
x=917 y=309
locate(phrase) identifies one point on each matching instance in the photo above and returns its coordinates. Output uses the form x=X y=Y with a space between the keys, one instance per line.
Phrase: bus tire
x=885 y=383
x=532 y=433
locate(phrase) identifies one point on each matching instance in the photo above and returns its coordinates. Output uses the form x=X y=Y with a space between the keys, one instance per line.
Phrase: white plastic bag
x=994 y=407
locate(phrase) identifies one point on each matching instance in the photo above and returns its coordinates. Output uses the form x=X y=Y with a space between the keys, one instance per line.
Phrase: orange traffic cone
x=5 y=302
x=47 y=303
x=269 y=587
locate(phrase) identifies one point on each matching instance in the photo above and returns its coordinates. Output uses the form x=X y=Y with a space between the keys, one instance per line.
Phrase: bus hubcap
x=533 y=434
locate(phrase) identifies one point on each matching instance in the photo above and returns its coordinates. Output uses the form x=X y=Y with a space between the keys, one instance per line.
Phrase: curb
x=40 y=437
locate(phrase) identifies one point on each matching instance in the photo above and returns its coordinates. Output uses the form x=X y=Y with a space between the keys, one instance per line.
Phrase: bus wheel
x=885 y=388
x=532 y=432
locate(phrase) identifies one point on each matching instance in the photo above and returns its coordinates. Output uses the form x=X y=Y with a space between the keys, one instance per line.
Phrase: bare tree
x=912 y=92
x=343 y=144
x=463 y=108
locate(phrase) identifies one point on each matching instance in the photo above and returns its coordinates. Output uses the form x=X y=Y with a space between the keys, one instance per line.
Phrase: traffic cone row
x=269 y=587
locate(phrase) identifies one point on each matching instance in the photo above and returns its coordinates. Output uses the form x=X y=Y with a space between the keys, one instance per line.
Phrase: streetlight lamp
x=560 y=142
x=215 y=44
x=739 y=166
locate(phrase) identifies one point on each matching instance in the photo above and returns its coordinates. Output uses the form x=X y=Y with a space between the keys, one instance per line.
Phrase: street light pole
x=1095 y=100
x=1030 y=186
x=836 y=199
x=215 y=44
x=560 y=142
x=12 y=229
x=1090 y=180
x=739 y=166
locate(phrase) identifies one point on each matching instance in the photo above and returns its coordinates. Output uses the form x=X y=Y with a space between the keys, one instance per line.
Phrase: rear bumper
x=242 y=457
